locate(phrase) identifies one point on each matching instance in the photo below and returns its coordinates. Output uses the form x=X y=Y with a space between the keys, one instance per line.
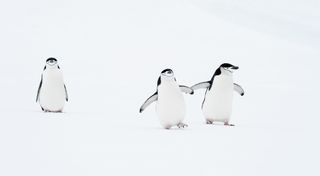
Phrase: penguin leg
x=209 y=122
x=181 y=125
x=226 y=123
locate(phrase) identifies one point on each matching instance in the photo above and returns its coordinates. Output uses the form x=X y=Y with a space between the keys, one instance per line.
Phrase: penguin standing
x=217 y=103
x=170 y=107
x=52 y=92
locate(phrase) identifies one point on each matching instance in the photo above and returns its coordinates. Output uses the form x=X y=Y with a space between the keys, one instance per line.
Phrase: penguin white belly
x=52 y=93
x=218 y=101
x=170 y=108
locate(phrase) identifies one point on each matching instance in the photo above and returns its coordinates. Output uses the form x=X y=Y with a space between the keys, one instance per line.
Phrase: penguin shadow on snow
x=53 y=115
x=158 y=128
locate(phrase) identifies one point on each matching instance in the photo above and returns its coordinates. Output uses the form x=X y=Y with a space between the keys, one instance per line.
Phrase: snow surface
x=111 y=53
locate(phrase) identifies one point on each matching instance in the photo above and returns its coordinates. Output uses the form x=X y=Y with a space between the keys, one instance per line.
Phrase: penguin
x=170 y=107
x=52 y=92
x=217 y=103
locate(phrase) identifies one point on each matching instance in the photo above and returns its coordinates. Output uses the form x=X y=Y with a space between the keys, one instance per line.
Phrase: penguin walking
x=52 y=92
x=217 y=103
x=170 y=107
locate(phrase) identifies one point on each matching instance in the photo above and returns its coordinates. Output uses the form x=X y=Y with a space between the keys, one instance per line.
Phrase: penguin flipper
x=150 y=100
x=186 y=89
x=40 y=85
x=65 y=90
x=238 y=89
x=202 y=85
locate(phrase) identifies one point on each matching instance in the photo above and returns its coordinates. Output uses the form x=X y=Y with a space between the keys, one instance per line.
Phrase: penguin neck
x=51 y=67
x=226 y=73
x=168 y=82
x=168 y=79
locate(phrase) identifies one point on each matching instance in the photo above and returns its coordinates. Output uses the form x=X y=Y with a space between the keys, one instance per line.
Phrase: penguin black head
x=167 y=73
x=51 y=61
x=226 y=67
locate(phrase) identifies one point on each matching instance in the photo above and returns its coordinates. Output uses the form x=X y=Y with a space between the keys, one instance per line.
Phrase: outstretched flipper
x=150 y=100
x=186 y=89
x=65 y=89
x=238 y=89
x=39 y=89
x=202 y=85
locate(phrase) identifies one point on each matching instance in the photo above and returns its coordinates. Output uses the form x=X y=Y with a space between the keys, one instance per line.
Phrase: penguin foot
x=228 y=124
x=209 y=122
x=45 y=110
x=182 y=125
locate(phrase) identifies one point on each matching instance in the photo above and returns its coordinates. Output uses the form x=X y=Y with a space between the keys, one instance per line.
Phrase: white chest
x=170 y=105
x=52 y=93
x=52 y=78
x=222 y=85
x=218 y=100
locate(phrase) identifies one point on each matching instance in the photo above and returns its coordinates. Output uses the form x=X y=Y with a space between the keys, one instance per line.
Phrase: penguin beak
x=234 y=67
x=231 y=69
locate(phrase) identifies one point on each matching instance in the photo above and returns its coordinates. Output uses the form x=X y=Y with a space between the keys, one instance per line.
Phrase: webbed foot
x=228 y=124
x=182 y=125
x=209 y=122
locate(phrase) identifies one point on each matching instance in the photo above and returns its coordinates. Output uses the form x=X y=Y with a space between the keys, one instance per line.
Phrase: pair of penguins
x=171 y=109
x=217 y=103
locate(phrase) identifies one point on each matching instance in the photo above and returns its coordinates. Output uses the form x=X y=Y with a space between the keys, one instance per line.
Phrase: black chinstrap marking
x=159 y=81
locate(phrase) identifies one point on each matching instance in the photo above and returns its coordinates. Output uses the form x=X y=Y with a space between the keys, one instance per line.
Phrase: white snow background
x=111 y=54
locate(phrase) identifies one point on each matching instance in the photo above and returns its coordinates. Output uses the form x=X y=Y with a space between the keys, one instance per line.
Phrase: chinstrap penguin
x=170 y=107
x=52 y=92
x=217 y=103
